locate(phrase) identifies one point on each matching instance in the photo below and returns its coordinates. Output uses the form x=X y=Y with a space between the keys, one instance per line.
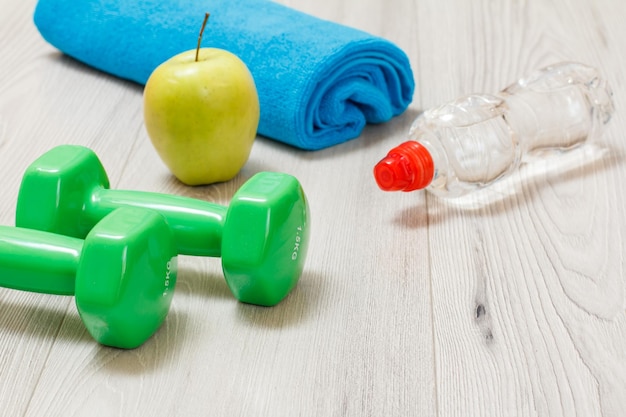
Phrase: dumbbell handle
x=36 y=261
x=197 y=224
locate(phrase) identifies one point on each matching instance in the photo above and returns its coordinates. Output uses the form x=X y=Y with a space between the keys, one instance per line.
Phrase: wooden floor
x=409 y=305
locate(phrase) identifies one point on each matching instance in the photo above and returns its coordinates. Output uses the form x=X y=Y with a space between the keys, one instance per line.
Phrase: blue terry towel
x=319 y=82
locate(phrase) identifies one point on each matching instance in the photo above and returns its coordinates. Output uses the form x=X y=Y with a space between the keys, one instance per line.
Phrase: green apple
x=201 y=112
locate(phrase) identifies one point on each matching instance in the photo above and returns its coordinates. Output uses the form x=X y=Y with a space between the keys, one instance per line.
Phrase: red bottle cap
x=407 y=167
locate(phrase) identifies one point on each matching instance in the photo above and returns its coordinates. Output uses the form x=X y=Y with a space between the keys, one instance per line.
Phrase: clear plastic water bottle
x=476 y=140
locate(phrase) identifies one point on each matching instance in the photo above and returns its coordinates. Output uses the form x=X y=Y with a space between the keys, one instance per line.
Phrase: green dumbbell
x=122 y=275
x=261 y=236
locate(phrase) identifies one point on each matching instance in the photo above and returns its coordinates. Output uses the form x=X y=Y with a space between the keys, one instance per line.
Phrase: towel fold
x=319 y=82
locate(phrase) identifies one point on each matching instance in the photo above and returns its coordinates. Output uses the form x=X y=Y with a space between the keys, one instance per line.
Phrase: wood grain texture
x=409 y=305
x=534 y=324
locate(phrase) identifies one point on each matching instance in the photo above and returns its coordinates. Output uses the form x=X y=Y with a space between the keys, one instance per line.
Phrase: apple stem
x=206 y=18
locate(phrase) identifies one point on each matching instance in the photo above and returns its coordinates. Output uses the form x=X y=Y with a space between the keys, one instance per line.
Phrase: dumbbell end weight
x=126 y=277
x=265 y=238
x=52 y=196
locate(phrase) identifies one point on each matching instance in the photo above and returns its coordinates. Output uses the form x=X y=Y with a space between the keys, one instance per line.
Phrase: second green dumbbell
x=123 y=274
x=261 y=236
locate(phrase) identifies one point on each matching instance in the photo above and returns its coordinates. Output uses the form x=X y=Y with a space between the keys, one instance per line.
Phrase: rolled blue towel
x=319 y=82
